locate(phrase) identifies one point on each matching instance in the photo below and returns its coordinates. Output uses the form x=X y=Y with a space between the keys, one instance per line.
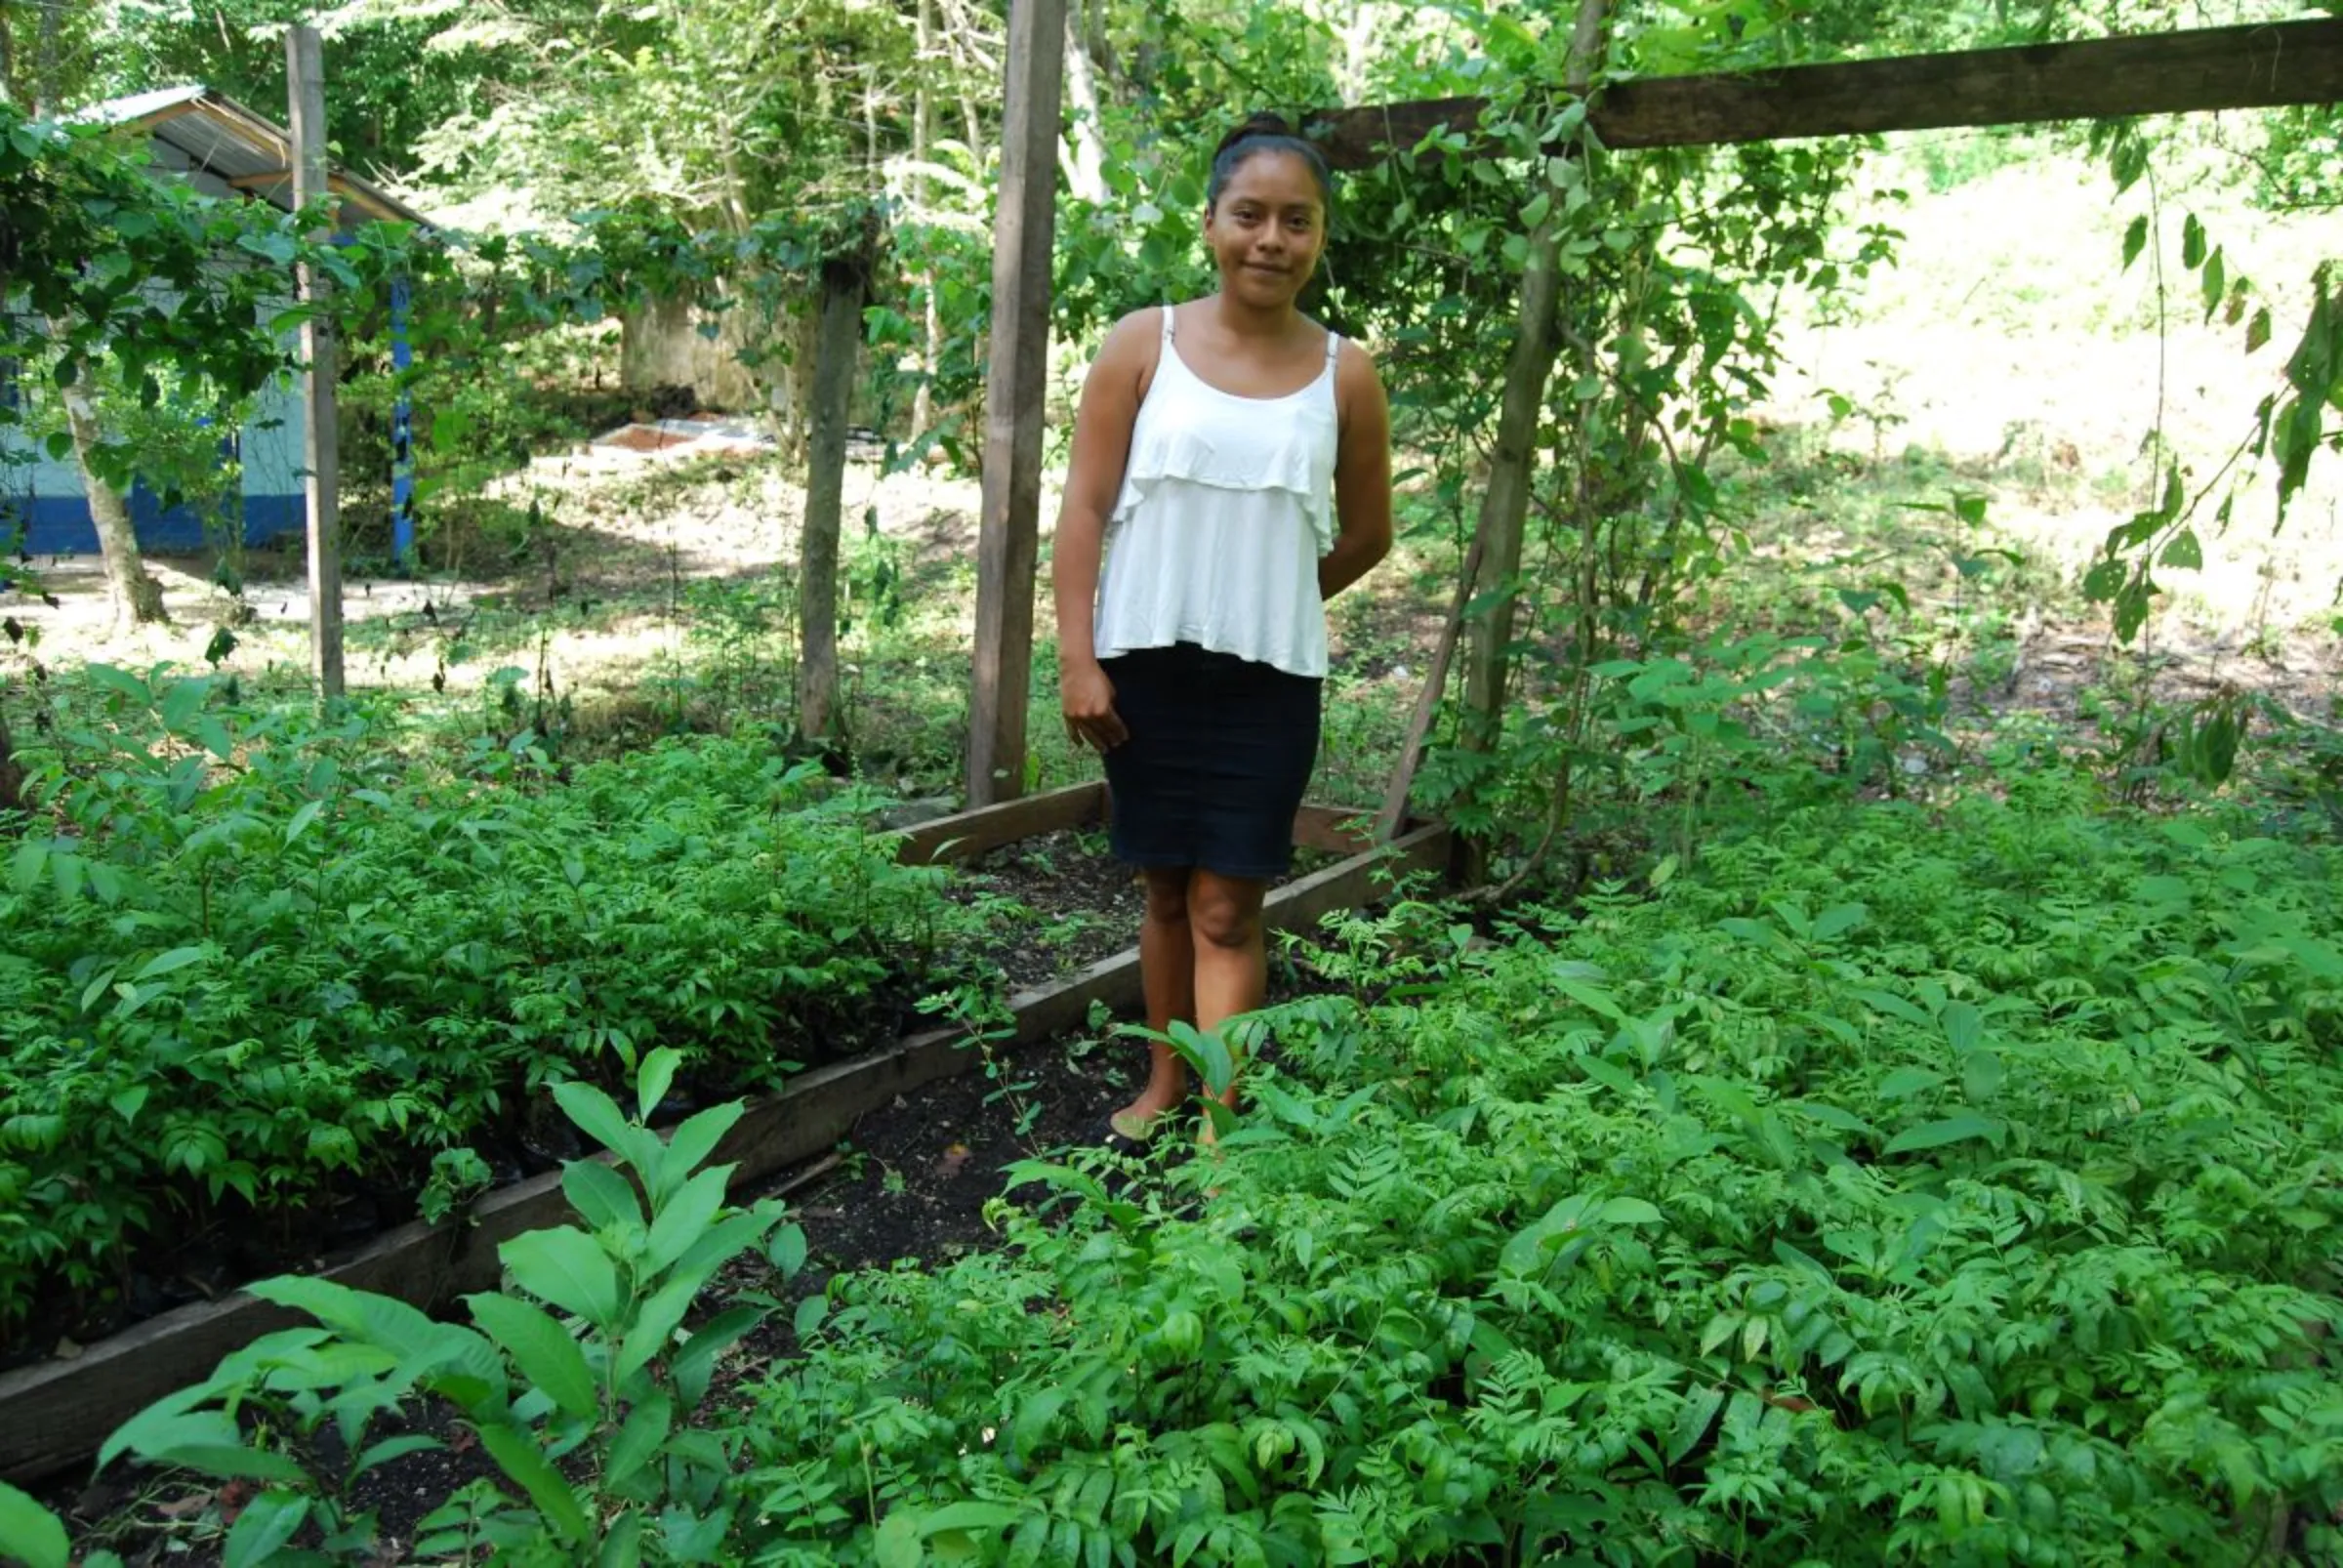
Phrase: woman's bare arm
x=1110 y=404
x=1362 y=474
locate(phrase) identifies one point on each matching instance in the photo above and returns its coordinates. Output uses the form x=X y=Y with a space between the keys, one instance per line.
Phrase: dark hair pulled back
x=1259 y=134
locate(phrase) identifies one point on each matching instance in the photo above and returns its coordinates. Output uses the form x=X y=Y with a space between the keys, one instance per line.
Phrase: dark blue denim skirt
x=1219 y=754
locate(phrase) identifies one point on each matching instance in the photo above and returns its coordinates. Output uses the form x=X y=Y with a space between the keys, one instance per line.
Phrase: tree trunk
x=45 y=62
x=12 y=772
x=840 y=343
x=138 y=599
x=1504 y=505
x=923 y=144
x=1082 y=154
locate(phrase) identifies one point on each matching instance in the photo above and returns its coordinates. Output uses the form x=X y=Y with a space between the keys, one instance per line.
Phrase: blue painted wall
x=46 y=495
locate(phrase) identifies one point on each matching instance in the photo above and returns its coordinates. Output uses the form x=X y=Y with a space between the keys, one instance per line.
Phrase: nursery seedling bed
x=917 y=1174
x=59 y=1411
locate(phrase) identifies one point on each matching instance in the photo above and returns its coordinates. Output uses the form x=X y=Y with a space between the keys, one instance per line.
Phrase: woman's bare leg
x=1168 y=976
x=1232 y=959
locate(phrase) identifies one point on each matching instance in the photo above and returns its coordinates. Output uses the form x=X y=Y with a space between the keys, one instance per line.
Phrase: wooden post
x=1008 y=534
x=840 y=342
x=305 y=79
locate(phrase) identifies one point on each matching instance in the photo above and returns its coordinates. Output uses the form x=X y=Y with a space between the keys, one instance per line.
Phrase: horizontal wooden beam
x=1356 y=883
x=2269 y=65
x=965 y=835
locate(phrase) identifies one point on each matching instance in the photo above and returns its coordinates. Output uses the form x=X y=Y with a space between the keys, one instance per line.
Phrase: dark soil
x=1058 y=903
x=908 y=1183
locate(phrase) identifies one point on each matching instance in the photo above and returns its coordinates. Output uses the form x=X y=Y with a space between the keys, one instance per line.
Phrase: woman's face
x=1269 y=229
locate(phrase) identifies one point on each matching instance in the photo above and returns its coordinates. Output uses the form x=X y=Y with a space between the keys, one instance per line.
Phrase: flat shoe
x=1137 y=1128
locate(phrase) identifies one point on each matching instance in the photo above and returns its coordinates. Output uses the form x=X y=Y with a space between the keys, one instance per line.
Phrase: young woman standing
x=1231 y=468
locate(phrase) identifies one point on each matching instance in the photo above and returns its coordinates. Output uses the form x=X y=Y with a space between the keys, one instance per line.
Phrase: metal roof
x=203 y=133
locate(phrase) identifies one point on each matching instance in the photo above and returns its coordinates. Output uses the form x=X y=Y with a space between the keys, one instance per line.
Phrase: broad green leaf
x=1895 y=1007
x=1034 y=1418
x=787 y=1251
x=1693 y=1419
x=301 y=822
x=598 y=1117
x=516 y=1454
x=1836 y=1117
x=2184 y=553
x=1609 y=1075
x=639 y=1439
x=1958 y=1127
x=209 y=1441
x=1207 y=1052
x=722 y=1242
x=31 y=1532
x=1906 y=1082
x=1795 y=1258
x=267 y=1523
x=685 y=1217
x=391 y=1448
x=541 y=1347
x=566 y=1268
x=971 y=1516
x=179 y=957
x=899 y=1543
x=421 y=1344
x=1592 y=998
x=601 y=1196
x=653 y=1331
x=2105 y=581
x=1839 y=920
x=652 y=1083
x=694 y=1537
x=1964 y=1027
x=697 y=1138
x=622 y=1542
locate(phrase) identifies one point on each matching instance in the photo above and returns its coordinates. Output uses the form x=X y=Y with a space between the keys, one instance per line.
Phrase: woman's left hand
x=1088 y=698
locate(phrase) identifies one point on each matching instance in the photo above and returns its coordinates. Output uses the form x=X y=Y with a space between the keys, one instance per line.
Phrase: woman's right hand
x=1088 y=697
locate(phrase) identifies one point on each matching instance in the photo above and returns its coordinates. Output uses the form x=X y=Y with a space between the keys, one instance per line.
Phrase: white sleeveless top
x=1227 y=503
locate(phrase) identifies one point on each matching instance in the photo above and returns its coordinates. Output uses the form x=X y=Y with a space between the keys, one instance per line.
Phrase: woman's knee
x=1167 y=896
x=1224 y=911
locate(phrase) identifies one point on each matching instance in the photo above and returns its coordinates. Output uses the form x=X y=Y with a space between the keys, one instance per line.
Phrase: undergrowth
x=253 y=962
x=1954 y=1185
x=1899 y=1188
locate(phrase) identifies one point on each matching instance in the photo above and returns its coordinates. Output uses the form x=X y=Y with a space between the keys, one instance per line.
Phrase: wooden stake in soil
x=843 y=280
x=1009 y=538
x=305 y=81
x=1427 y=705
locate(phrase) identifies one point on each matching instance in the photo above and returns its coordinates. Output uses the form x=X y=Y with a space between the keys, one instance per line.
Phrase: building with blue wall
x=226 y=150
